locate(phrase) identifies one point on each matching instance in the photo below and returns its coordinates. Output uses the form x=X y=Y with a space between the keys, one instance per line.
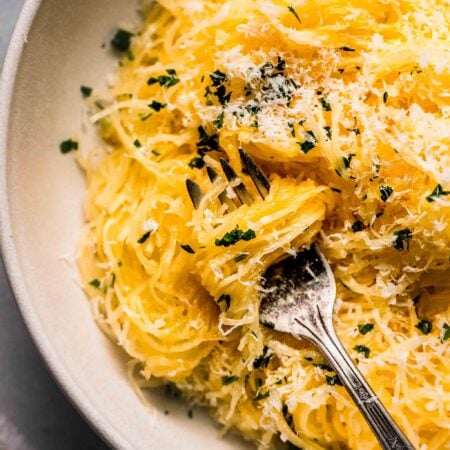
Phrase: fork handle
x=386 y=430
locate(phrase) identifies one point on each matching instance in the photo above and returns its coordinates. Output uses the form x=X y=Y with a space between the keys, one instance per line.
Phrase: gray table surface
x=34 y=414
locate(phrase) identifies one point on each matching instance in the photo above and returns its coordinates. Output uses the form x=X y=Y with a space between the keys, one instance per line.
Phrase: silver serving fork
x=299 y=295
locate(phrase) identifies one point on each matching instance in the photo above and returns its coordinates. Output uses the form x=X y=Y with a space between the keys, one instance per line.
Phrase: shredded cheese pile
x=345 y=105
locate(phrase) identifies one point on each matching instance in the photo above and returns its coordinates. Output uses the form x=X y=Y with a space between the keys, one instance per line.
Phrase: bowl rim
x=8 y=251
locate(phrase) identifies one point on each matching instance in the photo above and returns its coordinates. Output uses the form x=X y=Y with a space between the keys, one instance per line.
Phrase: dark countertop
x=34 y=414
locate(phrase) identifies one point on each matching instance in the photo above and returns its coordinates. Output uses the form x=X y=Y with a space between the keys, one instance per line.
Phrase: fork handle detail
x=386 y=430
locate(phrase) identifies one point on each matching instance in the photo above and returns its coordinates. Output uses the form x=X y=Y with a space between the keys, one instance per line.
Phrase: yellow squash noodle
x=345 y=105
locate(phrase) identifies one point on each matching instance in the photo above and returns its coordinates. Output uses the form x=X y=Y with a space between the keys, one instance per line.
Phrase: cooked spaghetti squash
x=345 y=105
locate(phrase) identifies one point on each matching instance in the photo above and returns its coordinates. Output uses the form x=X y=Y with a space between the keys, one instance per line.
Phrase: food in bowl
x=345 y=105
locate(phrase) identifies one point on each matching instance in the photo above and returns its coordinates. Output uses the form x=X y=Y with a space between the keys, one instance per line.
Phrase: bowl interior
x=41 y=199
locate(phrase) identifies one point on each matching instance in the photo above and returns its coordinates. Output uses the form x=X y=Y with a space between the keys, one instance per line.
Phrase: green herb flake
x=217 y=78
x=309 y=143
x=438 y=192
x=262 y=361
x=358 y=226
x=234 y=236
x=155 y=152
x=228 y=379
x=325 y=104
x=328 y=132
x=402 y=239
x=86 y=91
x=187 y=248
x=362 y=349
x=445 y=332
x=137 y=143
x=241 y=257
x=294 y=13
x=292 y=129
x=218 y=121
x=95 y=283
x=424 y=326
x=333 y=380
x=144 y=237
x=347 y=160
x=262 y=395
x=365 y=328
x=385 y=97
x=169 y=80
x=68 y=145
x=157 y=106
x=309 y=358
x=144 y=117
x=268 y=324
x=197 y=163
x=385 y=192
x=122 y=40
x=222 y=96
x=206 y=142
x=346 y=49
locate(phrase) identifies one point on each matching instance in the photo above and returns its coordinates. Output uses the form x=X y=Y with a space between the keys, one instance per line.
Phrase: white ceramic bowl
x=56 y=48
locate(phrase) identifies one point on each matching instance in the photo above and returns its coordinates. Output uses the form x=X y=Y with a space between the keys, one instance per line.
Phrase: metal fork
x=298 y=298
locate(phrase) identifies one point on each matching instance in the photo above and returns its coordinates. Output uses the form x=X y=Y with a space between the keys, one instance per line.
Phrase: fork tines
x=258 y=177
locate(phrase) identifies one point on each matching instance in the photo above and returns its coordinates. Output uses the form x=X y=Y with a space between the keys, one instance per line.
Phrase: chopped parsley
x=206 y=142
x=328 y=132
x=292 y=129
x=446 y=332
x=262 y=395
x=218 y=78
x=157 y=106
x=68 y=145
x=309 y=143
x=362 y=349
x=263 y=360
x=346 y=49
x=218 y=121
x=358 y=226
x=365 y=328
x=234 y=236
x=86 y=91
x=144 y=237
x=333 y=380
x=325 y=104
x=240 y=257
x=197 y=163
x=225 y=298
x=95 y=283
x=294 y=13
x=221 y=94
x=156 y=153
x=122 y=40
x=438 y=192
x=385 y=192
x=402 y=239
x=385 y=97
x=357 y=131
x=187 y=248
x=167 y=81
x=424 y=326
x=347 y=160
x=228 y=379
x=268 y=324
x=137 y=143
